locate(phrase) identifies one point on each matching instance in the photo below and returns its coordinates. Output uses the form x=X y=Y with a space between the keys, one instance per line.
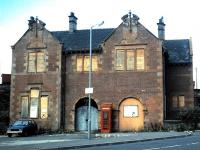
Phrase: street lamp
x=90 y=89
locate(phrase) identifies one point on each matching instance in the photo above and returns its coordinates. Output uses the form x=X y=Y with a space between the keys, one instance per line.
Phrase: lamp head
x=101 y=23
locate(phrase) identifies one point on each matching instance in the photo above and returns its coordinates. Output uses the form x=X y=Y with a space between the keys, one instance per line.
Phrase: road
x=37 y=142
x=185 y=143
x=74 y=140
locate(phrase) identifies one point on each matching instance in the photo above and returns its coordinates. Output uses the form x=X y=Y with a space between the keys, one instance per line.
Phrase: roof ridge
x=176 y=39
x=85 y=30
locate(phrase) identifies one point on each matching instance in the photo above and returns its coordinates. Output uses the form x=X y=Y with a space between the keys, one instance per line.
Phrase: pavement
x=80 y=140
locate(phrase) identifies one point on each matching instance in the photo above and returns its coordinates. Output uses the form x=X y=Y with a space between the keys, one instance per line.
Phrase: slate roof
x=80 y=39
x=178 y=51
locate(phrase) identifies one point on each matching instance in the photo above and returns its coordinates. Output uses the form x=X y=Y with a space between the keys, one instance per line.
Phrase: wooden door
x=82 y=118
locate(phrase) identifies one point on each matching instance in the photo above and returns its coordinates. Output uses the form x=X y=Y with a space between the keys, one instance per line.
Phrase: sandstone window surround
x=130 y=59
x=34 y=105
x=36 y=61
x=178 y=101
x=83 y=63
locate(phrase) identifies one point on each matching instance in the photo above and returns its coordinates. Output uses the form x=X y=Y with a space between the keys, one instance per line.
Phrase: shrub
x=190 y=117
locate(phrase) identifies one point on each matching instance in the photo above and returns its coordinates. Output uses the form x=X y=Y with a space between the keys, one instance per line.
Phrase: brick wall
x=180 y=82
x=48 y=83
x=111 y=86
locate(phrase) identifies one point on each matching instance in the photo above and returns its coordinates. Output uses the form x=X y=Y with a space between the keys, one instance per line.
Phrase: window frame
x=120 y=61
x=42 y=109
x=84 y=67
x=128 y=68
x=126 y=59
x=26 y=107
x=38 y=110
x=174 y=101
x=179 y=104
x=36 y=63
x=34 y=104
x=139 y=58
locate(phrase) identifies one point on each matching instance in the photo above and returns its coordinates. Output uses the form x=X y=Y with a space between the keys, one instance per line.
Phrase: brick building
x=145 y=79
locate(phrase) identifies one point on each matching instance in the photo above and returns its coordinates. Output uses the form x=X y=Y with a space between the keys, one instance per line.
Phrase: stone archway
x=81 y=115
x=131 y=115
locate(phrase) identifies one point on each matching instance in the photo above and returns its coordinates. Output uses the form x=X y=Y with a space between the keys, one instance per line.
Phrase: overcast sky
x=180 y=16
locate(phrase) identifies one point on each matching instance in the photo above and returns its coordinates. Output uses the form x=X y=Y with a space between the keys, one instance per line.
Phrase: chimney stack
x=161 y=29
x=72 y=22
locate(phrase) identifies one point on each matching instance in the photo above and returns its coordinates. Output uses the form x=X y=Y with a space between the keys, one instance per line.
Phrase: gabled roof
x=80 y=39
x=178 y=51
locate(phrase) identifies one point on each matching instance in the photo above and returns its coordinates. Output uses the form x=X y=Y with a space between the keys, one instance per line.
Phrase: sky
x=180 y=16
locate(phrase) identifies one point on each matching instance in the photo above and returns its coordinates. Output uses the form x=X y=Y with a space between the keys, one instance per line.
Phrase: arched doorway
x=131 y=115
x=81 y=115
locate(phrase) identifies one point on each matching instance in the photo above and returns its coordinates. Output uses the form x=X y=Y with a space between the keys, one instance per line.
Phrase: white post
x=89 y=83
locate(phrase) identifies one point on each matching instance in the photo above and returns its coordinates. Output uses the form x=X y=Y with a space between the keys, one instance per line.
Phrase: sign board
x=88 y=90
x=131 y=111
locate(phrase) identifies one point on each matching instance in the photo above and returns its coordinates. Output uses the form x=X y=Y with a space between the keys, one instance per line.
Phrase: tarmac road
x=68 y=141
x=183 y=143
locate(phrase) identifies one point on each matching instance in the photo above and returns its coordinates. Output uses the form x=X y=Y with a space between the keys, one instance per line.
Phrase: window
x=86 y=63
x=31 y=62
x=24 y=107
x=178 y=101
x=120 y=60
x=44 y=107
x=140 y=59
x=174 y=101
x=94 y=63
x=34 y=103
x=83 y=63
x=40 y=62
x=35 y=106
x=79 y=63
x=181 y=101
x=130 y=59
x=36 y=62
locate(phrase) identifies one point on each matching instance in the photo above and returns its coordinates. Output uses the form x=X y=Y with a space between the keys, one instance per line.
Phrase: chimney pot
x=72 y=22
x=161 y=29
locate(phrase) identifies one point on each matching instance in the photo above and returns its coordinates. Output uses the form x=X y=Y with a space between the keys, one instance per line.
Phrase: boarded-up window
x=86 y=63
x=130 y=60
x=34 y=103
x=32 y=62
x=131 y=111
x=44 y=107
x=94 y=63
x=24 y=107
x=120 y=60
x=40 y=62
x=83 y=63
x=174 y=101
x=181 y=101
x=79 y=63
x=140 y=59
x=36 y=62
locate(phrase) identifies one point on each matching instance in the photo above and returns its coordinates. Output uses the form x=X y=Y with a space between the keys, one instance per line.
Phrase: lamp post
x=90 y=89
